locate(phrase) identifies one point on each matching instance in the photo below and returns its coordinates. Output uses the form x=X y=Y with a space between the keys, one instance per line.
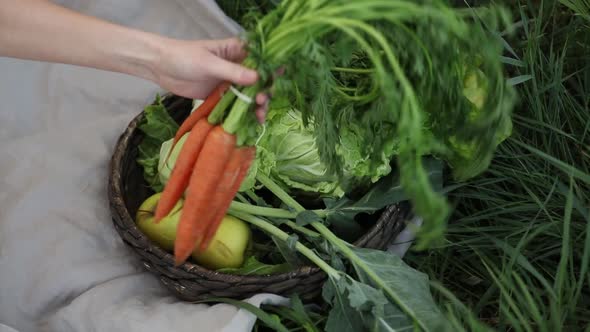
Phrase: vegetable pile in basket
x=268 y=230
x=375 y=96
x=399 y=78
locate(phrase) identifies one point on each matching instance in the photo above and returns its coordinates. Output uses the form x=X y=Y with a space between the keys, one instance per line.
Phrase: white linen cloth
x=63 y=267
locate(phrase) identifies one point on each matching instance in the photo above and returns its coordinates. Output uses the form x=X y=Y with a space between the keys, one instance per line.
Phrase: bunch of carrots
x=208 y=171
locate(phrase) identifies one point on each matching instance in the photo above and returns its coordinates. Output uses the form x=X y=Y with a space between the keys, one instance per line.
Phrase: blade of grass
x=562 y=267
x=567 y=168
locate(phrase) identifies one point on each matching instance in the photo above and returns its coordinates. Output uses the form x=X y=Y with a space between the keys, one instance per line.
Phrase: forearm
x=43 y=31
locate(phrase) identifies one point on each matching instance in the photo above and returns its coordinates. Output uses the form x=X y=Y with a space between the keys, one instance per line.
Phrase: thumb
x=230 y=71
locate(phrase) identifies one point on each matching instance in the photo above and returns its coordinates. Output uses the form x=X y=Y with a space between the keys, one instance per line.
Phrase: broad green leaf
x=362 y=296
x=411 y=286
x=148 y=158
x=342 y=317
x=288 y=254
x=305 y=317
x=355 y=303
x=307 y=217
x=386 y=191
x=393 y=319
x=158 y=126
x=158 y=123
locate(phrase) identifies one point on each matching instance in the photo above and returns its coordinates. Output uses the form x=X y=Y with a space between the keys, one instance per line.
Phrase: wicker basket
x=127 y=190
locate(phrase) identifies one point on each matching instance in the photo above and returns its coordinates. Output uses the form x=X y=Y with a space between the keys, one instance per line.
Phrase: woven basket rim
x=118 y=207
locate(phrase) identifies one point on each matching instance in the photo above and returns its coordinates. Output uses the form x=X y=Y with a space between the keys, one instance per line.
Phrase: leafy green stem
x=342 y=246
x=348 y=253
x=216 y=116
x=354 y=70
x=278 y=233
x=368 y=97
x=279 y=192
x=233 y=122
x=262 y=211
x=273 y=213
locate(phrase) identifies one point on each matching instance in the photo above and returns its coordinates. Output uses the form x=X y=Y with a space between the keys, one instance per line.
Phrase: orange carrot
x=235 y=172
x=206 y=175
x=180 y=175
x=201 y=112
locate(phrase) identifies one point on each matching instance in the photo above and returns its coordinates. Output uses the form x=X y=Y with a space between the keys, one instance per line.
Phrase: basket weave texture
x=191 y=282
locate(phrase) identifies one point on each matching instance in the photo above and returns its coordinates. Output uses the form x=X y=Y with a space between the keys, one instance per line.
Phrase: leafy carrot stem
x=276 y=232
x=342 y=246
x=220 y=109
x=233 y=122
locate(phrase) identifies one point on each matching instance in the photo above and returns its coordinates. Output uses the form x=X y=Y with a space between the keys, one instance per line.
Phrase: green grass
x=518 y=246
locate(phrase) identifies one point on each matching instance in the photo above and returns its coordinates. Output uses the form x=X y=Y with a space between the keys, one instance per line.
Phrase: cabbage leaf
x=157 y=126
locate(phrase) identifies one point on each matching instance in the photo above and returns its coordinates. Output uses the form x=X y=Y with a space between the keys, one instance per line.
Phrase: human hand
x=187 y=68
x=192 y=69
